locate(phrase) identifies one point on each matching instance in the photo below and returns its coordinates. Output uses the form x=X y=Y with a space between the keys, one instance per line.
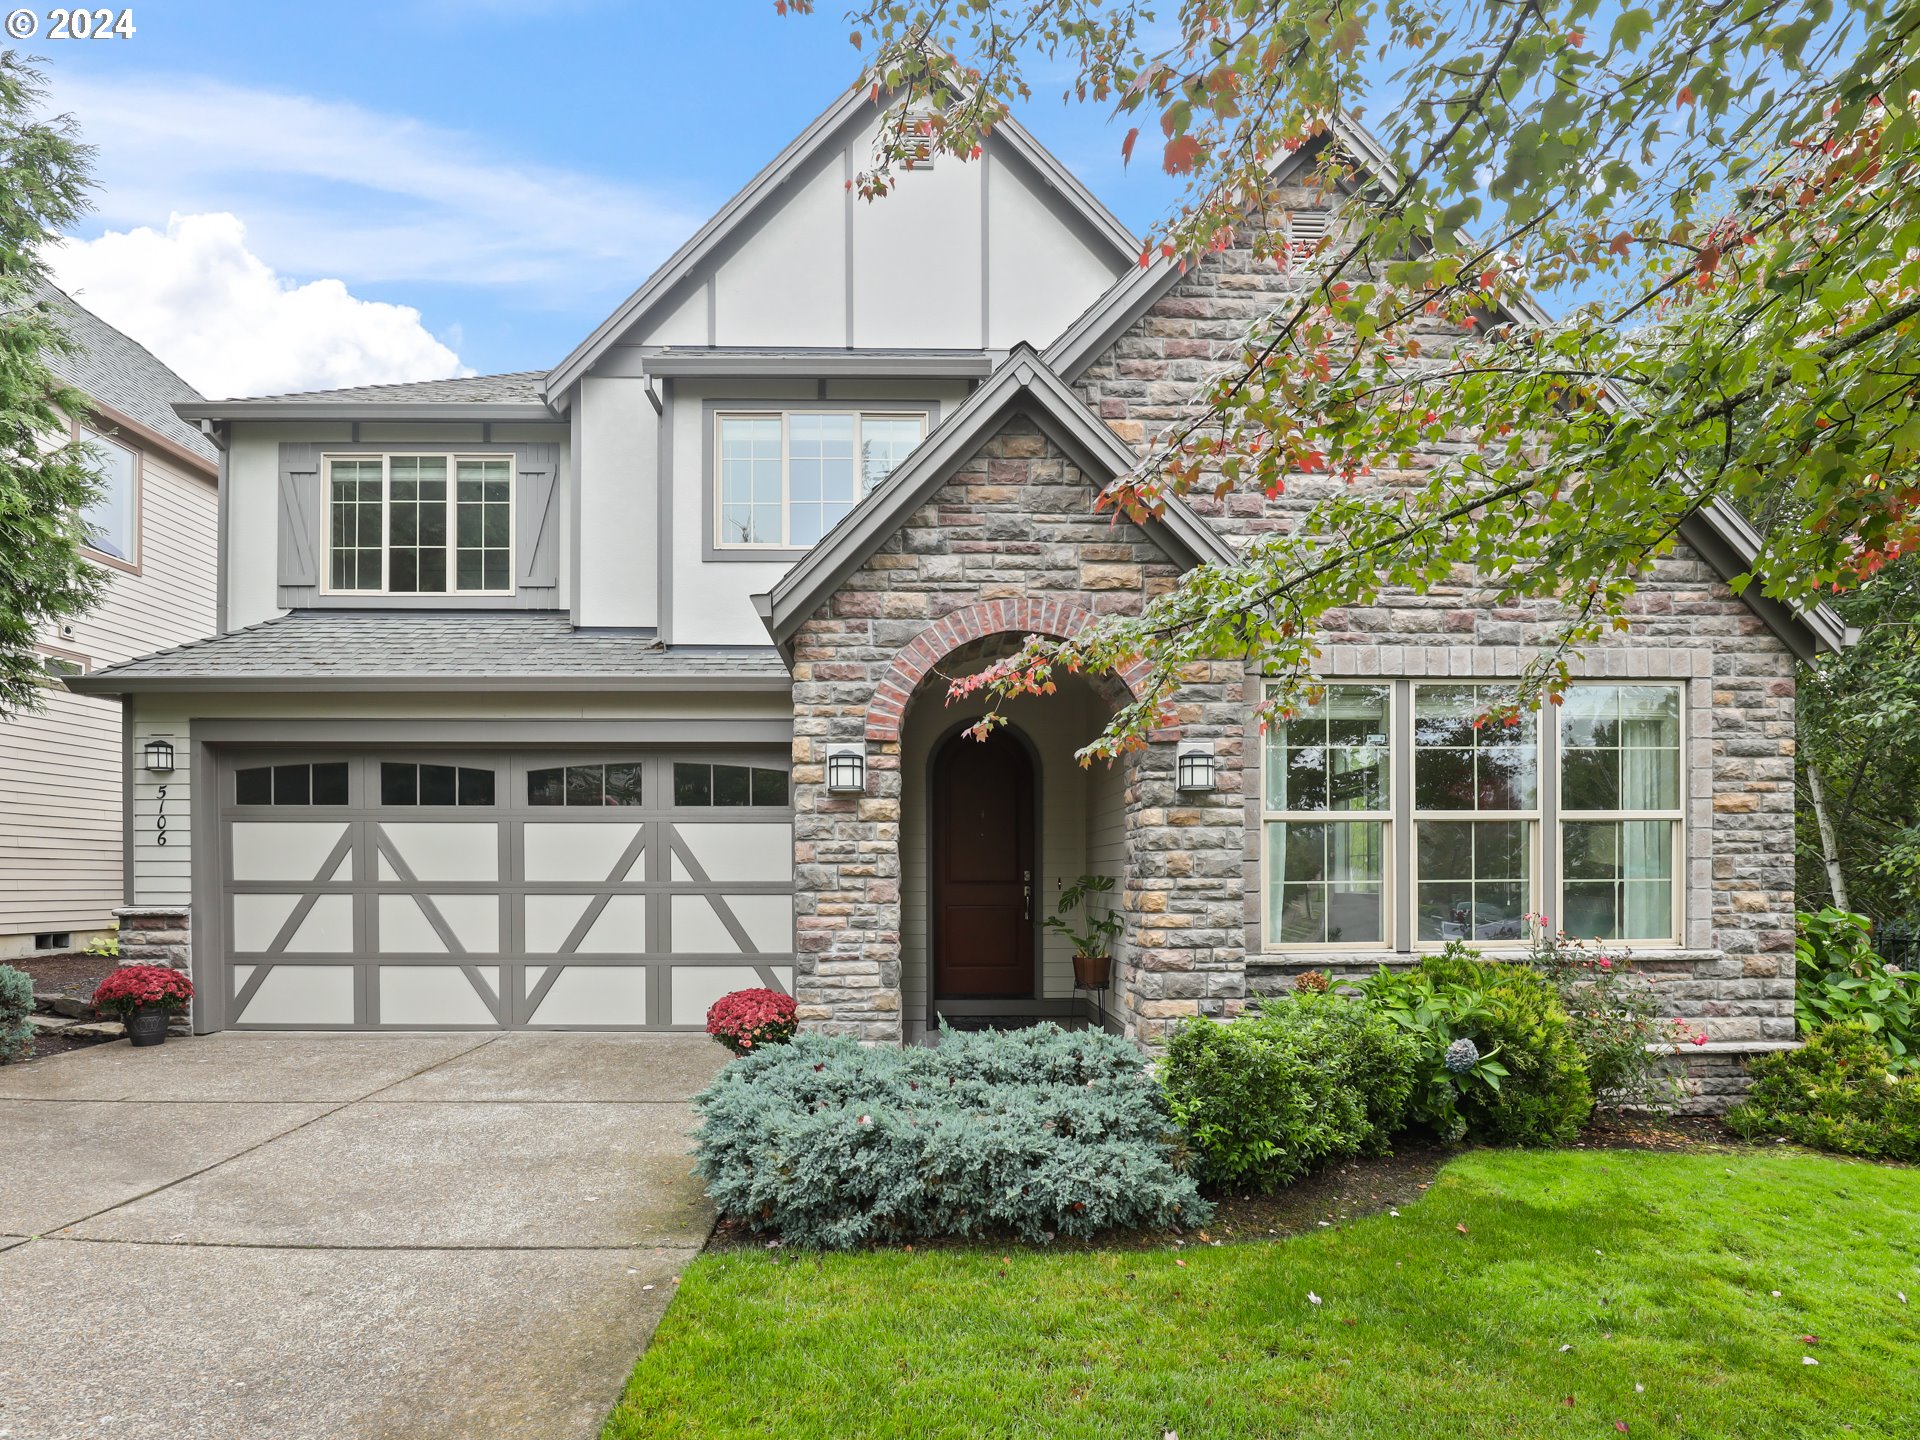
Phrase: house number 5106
x=160 y=817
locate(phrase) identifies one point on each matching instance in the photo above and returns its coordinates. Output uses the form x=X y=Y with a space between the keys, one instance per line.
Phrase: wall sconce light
x=1195 y=766
x=159 y=756
x=847 y=770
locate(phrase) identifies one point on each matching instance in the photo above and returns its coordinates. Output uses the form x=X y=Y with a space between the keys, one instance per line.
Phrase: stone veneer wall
x=1010 y=540
x=156 y=935
x=1736 y=975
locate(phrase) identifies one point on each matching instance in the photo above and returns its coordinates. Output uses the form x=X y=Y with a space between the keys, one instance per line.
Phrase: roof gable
x=1716 y=531
x=802 y=201
x=123 y=376
x=1024 y=385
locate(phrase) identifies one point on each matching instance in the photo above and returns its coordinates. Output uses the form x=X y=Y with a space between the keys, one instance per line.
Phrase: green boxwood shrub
x=1529 y=1085
x=1037 y=1133
x=1272 y=1095
x=16 y=1004
x=1838 y=1092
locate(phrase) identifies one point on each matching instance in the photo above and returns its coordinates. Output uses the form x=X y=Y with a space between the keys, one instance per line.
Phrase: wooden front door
x=983 y=880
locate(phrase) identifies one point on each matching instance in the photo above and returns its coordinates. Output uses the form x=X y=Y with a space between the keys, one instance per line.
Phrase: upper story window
x=785 y=479
x=1402 y=799
x=111 y=520
x=420 y=524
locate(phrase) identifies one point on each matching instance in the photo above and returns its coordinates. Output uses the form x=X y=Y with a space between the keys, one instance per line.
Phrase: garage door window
x=584 y=785
x=407 y=784
x=697 y=783
x=322 y=784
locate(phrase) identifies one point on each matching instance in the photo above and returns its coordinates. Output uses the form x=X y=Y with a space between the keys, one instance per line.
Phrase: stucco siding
x=61 y=866
x=619 y=504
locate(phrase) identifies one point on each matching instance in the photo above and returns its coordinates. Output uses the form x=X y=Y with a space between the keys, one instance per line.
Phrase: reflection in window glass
x=696 y=782
x=617 y=784
x=109 y=519
x=750 y=486
x=1475 y=880
x=318 y=784
x=1333 y=755
x=1618 y=879
x=1327 y=885
x=1619 y=756
x=1462 y=761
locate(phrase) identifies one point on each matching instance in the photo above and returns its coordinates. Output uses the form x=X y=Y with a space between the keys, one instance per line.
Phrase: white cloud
x=332 y=188
x=201 y=300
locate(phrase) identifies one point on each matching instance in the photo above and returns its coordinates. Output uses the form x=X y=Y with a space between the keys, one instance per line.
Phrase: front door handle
x=1026 y=894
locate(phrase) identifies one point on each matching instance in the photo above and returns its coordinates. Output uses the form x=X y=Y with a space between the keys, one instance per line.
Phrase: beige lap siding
x=61 y=862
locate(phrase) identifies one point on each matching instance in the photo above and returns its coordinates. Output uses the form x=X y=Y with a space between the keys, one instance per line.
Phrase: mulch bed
x=64 y=975
x=1335 y=1195
x=67 y=974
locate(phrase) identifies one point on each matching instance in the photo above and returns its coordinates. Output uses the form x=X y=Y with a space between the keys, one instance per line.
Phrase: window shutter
x=301 y=535
x=539 y=511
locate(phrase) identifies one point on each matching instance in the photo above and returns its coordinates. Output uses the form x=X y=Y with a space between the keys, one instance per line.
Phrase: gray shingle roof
x=522 y=386
x=439 y=649
x=122 y=374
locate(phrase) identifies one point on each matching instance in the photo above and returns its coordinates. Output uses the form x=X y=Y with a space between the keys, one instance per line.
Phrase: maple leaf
x=1182 y=153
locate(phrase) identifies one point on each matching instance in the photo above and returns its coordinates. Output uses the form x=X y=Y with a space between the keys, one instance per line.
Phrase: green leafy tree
x=46 y=475
x=1858 y=760
x=1695 y=283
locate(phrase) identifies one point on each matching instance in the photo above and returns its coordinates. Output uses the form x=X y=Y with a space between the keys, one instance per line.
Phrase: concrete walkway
x=274 y=1237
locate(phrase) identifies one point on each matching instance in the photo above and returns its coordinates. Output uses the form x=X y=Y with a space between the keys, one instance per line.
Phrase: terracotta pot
x=1092 y=972
x=147 y=1026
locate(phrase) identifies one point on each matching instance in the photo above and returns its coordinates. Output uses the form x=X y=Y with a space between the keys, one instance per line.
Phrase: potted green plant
x=1093 y=941
x=144 y=997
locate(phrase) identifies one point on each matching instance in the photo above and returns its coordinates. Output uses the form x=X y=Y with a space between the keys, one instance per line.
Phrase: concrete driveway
x=289 y=1236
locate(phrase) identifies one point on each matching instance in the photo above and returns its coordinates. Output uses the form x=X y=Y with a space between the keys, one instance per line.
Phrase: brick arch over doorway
x=888 y=709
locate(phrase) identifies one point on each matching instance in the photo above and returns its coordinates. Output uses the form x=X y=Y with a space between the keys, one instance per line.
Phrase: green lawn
x=1588 y=1274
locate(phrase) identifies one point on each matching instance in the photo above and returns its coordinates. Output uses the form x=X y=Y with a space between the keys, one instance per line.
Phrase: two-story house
x=63 y=866
x=581 y=697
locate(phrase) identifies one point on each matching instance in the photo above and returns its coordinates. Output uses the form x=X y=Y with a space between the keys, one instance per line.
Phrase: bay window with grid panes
x=420 y=525
x=1402 y=815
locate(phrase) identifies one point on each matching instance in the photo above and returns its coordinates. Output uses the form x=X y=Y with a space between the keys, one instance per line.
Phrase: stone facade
x=156 y=935
x=1735 y=978
x=1009 y=546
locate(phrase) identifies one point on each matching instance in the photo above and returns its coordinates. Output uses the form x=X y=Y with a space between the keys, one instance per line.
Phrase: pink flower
x=1605 y=964
x=1701 y=1038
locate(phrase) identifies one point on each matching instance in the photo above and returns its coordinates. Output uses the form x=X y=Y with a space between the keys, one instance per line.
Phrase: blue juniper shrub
x=1305 y=1079
x=16 y=1004
x=829 y=1144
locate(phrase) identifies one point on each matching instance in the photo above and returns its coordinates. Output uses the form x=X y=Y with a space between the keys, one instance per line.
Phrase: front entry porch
x=991 y=832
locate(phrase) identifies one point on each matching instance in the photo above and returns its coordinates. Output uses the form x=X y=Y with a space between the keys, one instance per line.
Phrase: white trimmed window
x=1329 y=813
x=110 y=521
x=1620 y=812
x=1398 y=815
x=420 y=525
x=786 y=478
x=1476 y=802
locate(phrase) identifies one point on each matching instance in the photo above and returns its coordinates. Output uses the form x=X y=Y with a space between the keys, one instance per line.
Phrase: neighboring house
x=530 y=689
x=62 y=870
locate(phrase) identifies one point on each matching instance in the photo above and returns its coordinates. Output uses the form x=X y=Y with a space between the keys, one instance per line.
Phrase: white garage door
x=447 y=889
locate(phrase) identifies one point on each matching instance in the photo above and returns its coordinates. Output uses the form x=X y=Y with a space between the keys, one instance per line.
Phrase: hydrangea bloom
x=1462 y=1056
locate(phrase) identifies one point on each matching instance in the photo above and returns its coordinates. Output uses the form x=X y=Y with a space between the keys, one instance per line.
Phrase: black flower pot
x=147 y=1026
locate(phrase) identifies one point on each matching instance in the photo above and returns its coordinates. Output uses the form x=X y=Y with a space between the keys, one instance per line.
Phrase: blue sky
x=510 y=170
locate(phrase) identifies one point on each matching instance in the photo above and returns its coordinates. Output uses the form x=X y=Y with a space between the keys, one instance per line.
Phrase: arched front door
x=983 y=875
